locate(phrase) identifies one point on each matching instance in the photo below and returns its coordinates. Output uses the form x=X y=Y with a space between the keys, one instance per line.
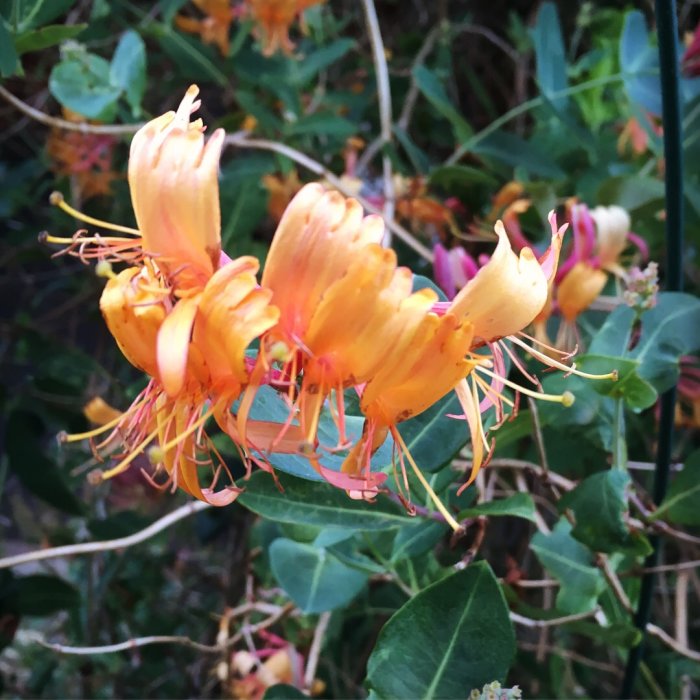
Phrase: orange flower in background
x=86 y=158
x=274 y=19
x=214 y=28
x=414 y=204
x=281 y=189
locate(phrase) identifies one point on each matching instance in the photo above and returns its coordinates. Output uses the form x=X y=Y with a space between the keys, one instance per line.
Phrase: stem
x=665 y=11
x=619 y=455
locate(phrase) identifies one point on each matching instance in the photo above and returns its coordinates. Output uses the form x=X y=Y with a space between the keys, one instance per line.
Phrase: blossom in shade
x=214 y=27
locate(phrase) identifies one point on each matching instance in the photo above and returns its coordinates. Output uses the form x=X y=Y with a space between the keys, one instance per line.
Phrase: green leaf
x=451 y=177
x=433 y=91
x=83 y=85
x=43 y=38
x=682 y=502
x=637 y=392
x=599 y=504
x=639 y=61
x=35 y=471
x=44 y=595
x=302 y=72
x=453 y=636
x=313 y=578
x=418 y=157
x=169 y=8
x=631 y=192
x=519 y=505
x=417 y=538
x=318 y=503
x=40 y=12
x=516 y=152
x=9 y=61
x=550 y=55
x=669 y=330
x=572 y=565
x=282 y=691
x=195 y=61
x=128 y=69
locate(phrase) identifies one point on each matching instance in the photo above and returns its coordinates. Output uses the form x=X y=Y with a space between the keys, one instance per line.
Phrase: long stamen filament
x=57 y=200
x=429 y=489
x=128 y=460
x=560 y=365
x=566 y=399
x=192 y=428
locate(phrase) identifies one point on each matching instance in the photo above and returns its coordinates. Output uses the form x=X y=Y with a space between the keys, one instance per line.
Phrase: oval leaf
x=453 y=636
x=313 y=578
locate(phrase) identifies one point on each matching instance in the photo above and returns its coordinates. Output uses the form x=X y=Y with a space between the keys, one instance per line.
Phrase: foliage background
x=326 y=570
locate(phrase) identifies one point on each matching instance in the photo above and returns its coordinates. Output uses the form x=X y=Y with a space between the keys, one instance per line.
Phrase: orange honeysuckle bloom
x=173 y=177
x=274 y=18
x=214 y=27
x=86 y=158
x=281 y=189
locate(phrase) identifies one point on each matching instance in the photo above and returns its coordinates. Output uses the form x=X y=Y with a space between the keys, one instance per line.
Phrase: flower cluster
x=333 y=313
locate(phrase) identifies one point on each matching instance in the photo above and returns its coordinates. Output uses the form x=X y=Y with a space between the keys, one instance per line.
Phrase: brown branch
x=56 y=122
x=106 y=545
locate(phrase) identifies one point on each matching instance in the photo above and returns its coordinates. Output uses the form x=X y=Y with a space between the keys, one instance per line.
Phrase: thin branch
x=315 y=650
x=165 y=639
x=384 y=91
x=57 y=122
x=239 y=139
x=669 y=641
x=565 y=653
x=107 y=545
x=681 y=566
x=529 y=622
x=611 y=577
x=555 y=478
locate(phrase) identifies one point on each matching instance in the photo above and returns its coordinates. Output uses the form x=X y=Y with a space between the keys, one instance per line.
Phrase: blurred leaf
x=83 y=86
x=34 y=470
x=45 y=37
x=417 y=538
x=321 y=123
x=44 y=595
x=519 y=505
x=572 y=565
x=169 y=8
x=128 y=69
x=419 y=158
x=618 y=634
x=669 y=330
x=455 y=635
x=450 y=177
x=195 y=61
x=550 y=56
x=39 y=12
x=121 y=524
x=433 y=91
x=682 y=502
x=599 y=503
x=302 y=72
x=637 y=392
x=631 y=191
x=639 y=63
x=313 y=578
x=282 y=691
x=516 y=152
x=9 y=61
x=318 y=503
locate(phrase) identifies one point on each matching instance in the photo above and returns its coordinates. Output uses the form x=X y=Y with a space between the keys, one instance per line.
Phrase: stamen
x=66 y=437
x=103 y=476
x=566 y=399
x=190 y=429
x=560 y=365
x=57 y=200
x=429 y=489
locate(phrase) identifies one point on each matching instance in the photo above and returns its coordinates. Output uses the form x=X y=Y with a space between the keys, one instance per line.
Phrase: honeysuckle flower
x=214 y=27
x=274 y=19
x=173 y=178
x=84 y=157
x=452 y=268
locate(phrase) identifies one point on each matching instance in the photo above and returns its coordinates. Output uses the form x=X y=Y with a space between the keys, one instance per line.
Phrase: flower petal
x=506 y=294
x=173 y=345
